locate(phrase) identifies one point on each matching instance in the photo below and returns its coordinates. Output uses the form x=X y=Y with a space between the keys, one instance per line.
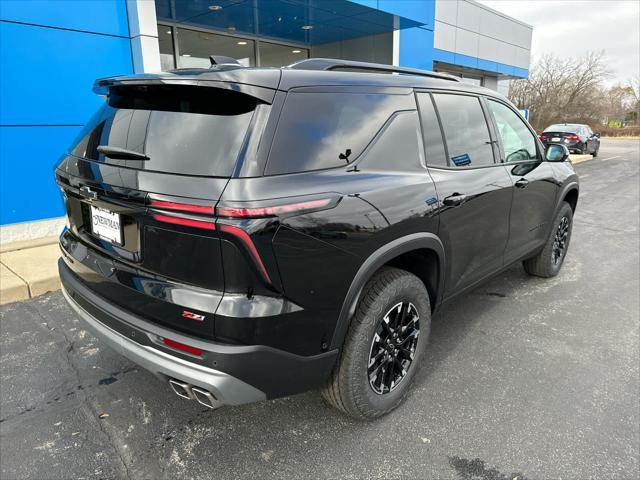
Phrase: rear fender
x=373 y=263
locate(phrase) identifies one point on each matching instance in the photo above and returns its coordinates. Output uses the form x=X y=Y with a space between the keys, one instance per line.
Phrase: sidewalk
x=28 y=269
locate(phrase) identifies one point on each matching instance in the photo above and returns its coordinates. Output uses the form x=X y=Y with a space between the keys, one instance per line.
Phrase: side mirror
x=596 y=135
x=557 y=153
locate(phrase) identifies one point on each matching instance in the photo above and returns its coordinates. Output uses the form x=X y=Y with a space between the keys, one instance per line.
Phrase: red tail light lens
x=542 y=137
x=181 y=346
x=246 y=240
x=183 y=207
x=258 y=212
x=573 y=137
x=185 y=222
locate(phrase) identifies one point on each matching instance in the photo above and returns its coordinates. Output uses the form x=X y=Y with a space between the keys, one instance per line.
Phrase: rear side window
x=191 y=132
x=465 y=130
x=320 y=130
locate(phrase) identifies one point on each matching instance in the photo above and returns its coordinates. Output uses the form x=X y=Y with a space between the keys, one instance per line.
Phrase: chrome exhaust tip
x=181 y=389
x=206 y=398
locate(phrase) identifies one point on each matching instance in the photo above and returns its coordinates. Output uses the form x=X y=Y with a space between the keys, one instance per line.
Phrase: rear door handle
x=522 y=183
x=454 y=200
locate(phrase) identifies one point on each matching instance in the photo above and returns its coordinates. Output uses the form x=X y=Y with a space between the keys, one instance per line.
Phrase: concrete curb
x=28 y=272
x=579 y=158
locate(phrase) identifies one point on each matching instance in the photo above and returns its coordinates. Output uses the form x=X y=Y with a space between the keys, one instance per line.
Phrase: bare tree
x=562 y=90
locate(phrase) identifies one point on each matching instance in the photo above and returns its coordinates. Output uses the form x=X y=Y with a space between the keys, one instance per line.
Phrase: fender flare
x=573 y=185
x=376 y=260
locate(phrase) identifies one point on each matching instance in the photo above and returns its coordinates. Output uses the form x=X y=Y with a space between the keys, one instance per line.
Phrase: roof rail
x=336 y=64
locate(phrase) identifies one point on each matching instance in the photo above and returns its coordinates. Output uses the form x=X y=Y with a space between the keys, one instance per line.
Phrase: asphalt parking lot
x=524 y=377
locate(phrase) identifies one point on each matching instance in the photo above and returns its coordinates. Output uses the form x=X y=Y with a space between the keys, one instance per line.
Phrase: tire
x=595 y=152
x=549 y=261
x=348 y=388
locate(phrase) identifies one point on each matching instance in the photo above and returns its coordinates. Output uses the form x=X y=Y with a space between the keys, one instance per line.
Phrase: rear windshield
x=562 y=128
x=184 y=130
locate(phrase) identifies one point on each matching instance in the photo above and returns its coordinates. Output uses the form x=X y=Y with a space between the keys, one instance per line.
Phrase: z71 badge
x=193 y=316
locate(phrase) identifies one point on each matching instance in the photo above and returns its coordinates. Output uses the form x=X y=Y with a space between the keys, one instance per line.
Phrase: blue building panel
x=416 y=48
x=31 y=152
x=108 y=17
x=490 y=66
x=422 y=11
x=47 y=73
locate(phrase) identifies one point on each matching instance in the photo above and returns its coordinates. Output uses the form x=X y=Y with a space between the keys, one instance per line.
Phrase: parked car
x=578 y=138
x=251 y=233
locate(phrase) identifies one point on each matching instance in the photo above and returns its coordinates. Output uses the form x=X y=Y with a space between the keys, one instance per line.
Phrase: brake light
x=182 y=207
x=181 y=346
x=542 y=137
x=257 y=212
x=246 y=240
x=185 y=222
x=573 y=137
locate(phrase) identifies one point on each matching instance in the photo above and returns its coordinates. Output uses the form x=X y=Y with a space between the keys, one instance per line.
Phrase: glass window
x=465 y=130
x=273 y=55
x=196 y=47
x=397 y=147
x=433 y=144
x=324 y=130
x=517 y=140
x=165 y=40
x=182 y=130
x=562 y=128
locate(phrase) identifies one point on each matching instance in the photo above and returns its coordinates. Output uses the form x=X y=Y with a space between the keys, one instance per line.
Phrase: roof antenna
x=222 y=60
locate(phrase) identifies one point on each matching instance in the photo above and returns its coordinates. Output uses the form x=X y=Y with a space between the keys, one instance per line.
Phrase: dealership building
x=52 y=51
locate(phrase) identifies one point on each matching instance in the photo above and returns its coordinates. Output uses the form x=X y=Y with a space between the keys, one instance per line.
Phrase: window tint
x=465 y=130
x=324 y=130
x=562 y=128
x=181 y=131
x=517 y=140
x=433 y=144
x=397 y=147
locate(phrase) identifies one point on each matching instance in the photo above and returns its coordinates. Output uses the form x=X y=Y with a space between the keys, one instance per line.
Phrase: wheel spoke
x=393 y=347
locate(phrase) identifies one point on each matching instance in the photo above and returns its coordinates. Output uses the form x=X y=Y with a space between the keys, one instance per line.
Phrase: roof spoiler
x=102 y=85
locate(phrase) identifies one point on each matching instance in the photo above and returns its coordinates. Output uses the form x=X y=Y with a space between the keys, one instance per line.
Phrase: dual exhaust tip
x=188 y=391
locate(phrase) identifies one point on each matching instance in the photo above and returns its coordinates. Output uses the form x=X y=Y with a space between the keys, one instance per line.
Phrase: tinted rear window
x=316 y=129
x=195 y=132
x=563 y=128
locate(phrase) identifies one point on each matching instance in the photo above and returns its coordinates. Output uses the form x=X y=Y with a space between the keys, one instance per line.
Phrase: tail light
x=542 y=137
x=273 y=211
x=573 y=137
x=204 y=217
x=183 y=207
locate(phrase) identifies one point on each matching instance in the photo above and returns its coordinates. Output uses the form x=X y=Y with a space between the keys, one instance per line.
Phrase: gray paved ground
x=524 y=377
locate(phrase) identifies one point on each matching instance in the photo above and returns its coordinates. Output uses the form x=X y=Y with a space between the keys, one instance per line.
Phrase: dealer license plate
x=106 y=224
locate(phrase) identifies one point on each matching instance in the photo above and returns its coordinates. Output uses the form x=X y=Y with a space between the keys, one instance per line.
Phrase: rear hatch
x=141 y=184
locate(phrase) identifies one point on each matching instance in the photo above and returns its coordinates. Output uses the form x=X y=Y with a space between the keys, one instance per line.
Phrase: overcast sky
x=573 y=27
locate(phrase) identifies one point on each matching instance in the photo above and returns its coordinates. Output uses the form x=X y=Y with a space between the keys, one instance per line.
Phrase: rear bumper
x=235 y=374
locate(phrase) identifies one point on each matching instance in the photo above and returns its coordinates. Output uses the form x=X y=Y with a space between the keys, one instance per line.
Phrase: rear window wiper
x=123 y=153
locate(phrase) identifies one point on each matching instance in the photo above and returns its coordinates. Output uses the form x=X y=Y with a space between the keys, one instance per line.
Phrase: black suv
x=250 y=233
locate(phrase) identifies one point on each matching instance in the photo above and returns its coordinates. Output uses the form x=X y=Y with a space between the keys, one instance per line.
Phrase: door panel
x=534 y=196
x=475 y=232
x=534 y=186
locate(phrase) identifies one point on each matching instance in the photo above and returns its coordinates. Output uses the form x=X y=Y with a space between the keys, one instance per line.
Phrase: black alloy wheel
x=393 y=347
x=560 y=241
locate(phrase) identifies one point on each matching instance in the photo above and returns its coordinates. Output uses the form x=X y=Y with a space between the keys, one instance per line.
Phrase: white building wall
x=143 y=30
x=469 y=28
